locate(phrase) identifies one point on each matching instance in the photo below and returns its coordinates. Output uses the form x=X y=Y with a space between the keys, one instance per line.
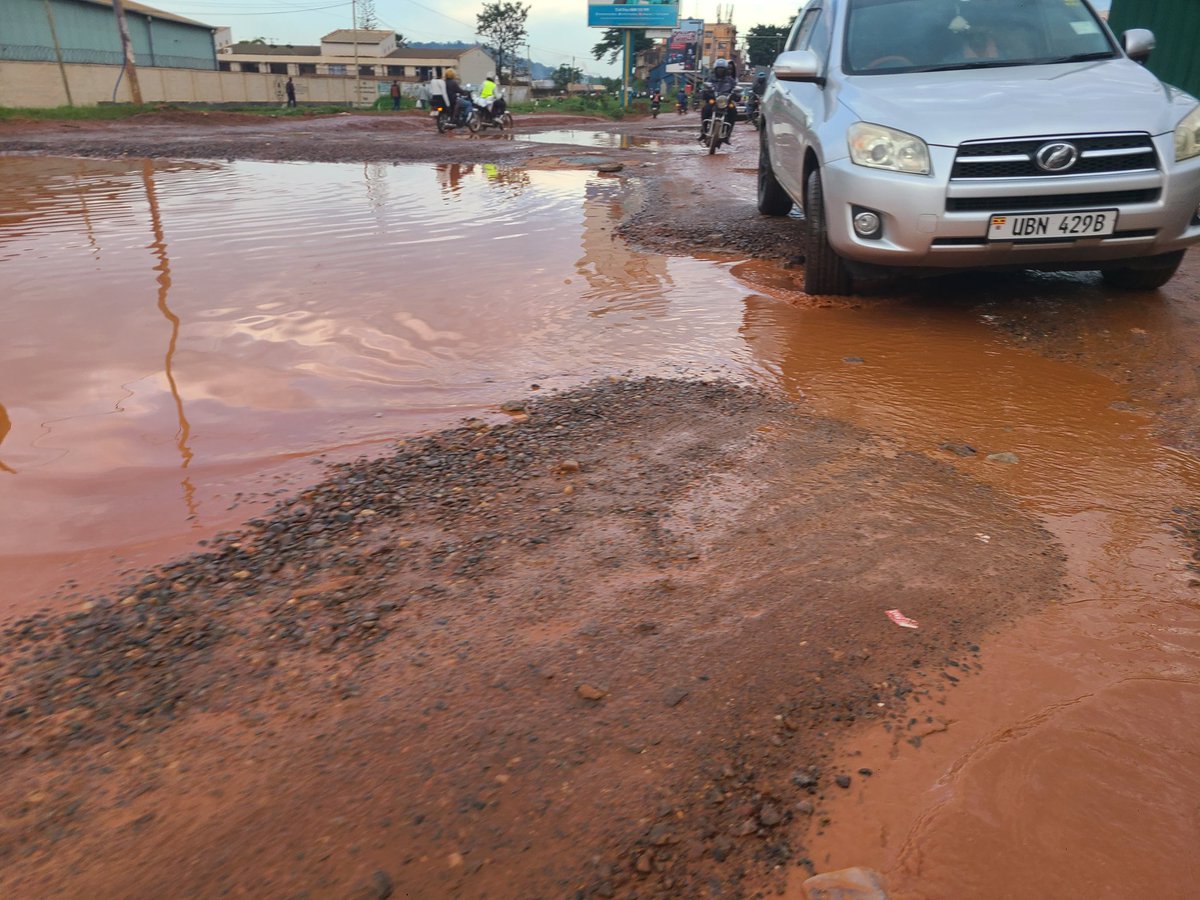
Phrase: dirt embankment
x=602 y=648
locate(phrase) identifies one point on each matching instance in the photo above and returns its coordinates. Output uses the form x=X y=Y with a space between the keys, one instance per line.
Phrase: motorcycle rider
x=760 y=84
x=722 y=81
x=655 y=103
x=487 y=92
x=454 y=91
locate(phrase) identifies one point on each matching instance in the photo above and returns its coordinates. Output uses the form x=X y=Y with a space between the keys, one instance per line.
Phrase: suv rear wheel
x=773 y=200
x=1158 y=271
x=824 y=271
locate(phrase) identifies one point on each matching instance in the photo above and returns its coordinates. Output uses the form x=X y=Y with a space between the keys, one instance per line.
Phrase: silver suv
x=929 y=135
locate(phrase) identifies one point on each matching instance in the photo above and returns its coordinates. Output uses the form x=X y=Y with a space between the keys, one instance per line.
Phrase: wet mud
x=630 y=642
x=534 y=653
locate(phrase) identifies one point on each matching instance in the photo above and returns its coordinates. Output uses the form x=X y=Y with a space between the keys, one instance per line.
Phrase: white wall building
x=378 y=57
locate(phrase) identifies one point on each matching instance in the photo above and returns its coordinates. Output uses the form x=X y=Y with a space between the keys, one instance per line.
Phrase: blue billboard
x=633 y=13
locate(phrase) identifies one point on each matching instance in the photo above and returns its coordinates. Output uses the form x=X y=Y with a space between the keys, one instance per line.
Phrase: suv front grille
x=1095 y=199
x=1101 y=154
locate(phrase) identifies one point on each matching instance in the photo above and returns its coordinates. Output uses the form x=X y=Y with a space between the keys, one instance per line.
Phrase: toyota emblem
x=1057 y=156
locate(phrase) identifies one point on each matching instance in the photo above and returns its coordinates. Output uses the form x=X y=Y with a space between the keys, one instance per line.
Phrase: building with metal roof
x=86 y=32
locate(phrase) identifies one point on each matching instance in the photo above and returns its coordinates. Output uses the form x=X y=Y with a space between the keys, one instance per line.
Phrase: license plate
x=1049 y=226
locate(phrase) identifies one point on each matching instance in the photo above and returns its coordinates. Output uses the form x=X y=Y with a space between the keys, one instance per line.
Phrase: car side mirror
x=1138 y=43
x=798 y=65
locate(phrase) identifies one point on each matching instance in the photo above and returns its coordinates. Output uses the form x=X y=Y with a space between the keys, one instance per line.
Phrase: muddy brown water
x=183 y=340
x=178 y=335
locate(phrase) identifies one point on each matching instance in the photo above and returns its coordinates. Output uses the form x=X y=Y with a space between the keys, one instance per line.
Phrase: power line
x=278 y=12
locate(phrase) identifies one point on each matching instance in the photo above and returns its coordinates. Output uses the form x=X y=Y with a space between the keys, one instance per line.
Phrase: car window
x=919 y=35
x=804 y=29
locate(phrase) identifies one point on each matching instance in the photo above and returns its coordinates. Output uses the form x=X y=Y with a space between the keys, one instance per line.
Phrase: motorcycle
x=713 y=136
x=681 y=106
x=497 y=116
x=464 y=114
x=655 y=103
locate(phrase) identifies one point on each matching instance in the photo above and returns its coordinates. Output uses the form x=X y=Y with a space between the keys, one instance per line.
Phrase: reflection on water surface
x=181 y=322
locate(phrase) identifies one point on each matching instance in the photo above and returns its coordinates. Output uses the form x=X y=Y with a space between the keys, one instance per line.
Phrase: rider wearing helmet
x=722 y=81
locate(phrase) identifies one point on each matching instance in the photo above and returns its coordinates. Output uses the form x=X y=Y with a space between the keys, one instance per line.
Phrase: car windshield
x=889 y=36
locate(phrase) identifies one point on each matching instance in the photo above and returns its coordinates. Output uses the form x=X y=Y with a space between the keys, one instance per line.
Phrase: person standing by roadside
x=395 y=94
x=290 y=90
x=424 y=95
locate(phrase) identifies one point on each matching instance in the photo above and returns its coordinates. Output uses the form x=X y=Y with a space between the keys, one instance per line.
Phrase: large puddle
x=179 y=335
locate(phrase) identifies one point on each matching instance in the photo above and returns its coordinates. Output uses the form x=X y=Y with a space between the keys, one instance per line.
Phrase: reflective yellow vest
x=489 y=88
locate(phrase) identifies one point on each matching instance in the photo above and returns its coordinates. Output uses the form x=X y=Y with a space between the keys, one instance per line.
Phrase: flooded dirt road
x=632 y=640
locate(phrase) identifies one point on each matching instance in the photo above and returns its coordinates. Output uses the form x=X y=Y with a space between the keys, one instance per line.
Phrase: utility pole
x=62 y=70
x=354 y=37
x=626 y=63
x=127 y=45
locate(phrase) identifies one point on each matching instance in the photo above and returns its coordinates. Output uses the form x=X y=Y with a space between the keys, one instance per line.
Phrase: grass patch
x=603 y=106
x=107 y=111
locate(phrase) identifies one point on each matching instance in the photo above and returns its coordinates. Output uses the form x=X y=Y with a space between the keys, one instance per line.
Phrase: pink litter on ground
x=901 y=619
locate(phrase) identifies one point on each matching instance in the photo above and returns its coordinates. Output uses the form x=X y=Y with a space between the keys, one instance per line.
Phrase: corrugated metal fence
x=1176 y=25
x=100 y=57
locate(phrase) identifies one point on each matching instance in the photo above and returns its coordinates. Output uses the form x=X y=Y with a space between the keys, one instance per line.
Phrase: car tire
x=773 y=200
x=1147 y=278
x=824 y=271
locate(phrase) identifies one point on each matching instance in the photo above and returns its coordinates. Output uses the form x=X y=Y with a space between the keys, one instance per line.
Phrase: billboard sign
x=633 y=13
x=683 y=46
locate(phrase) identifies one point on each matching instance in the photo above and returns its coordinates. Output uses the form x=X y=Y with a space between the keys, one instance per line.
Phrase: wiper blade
x=970 y=64
x=1079 y=57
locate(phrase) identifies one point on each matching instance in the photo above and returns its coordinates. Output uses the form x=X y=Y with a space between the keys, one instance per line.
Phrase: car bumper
x=932 y=222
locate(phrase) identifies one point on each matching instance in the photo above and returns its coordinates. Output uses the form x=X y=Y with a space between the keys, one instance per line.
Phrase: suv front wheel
x=824 y=271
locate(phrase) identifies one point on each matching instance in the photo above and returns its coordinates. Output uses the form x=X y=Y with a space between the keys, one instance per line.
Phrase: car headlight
x=886 y=148
x=1187 y=136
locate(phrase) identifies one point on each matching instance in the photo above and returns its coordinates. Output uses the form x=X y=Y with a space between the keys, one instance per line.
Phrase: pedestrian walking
x=395 y=94
x=424 y=95
x=290 y=90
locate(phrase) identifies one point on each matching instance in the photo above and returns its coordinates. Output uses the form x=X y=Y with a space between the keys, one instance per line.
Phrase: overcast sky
x=558 y=29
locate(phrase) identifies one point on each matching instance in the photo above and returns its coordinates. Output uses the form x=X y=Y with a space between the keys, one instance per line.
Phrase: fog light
x=867 y=224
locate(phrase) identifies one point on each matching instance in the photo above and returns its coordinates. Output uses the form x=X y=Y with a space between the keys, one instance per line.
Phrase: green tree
x=765 y=42
x=503 y=25
x=368 y=20
x=612 y=42
x=566 y=75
